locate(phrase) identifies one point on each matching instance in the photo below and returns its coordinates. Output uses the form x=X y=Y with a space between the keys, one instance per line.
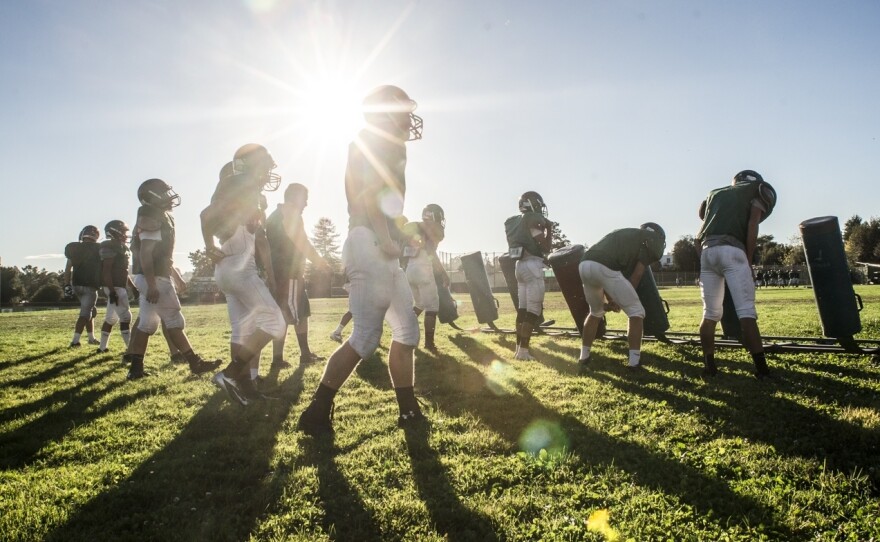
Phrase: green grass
x=516 y=451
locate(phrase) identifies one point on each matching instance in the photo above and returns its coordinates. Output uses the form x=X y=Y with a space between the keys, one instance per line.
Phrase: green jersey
x=520 y=230
x=726 y=218
x=622 y=249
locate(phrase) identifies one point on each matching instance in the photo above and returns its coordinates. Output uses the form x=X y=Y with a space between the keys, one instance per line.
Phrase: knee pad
x=271 y=320
x=148 y=325
x=111 y=317
x=715 y=316
x=176 y=321
x=364 y=342
x=407 y=333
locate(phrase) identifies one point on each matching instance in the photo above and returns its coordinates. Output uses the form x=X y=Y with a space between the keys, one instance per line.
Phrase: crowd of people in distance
x=391 y=266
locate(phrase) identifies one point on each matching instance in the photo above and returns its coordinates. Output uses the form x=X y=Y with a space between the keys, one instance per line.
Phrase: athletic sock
x=105 y=338
x=303 y=340
x=634 y=356
x=339 y=329
x=91 y=336
x=585 y=353
x=76 y=337
x=126 y=336
x=323 y=400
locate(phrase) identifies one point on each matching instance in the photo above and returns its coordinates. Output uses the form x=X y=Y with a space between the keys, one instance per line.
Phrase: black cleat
x=313 y=423
x=200 y=366
x=279 y=363
x=413 y=420
x=74 y=345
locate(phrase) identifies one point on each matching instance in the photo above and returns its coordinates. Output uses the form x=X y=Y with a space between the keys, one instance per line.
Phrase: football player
x=82 y=277
x=290 y=248
x=529 y=240
x=612 y=269
x=115 y=257
x=375 y=186
x=727 y=238
x=235 y=218
x=157 y=280
x=420 y=252
x=336 y=334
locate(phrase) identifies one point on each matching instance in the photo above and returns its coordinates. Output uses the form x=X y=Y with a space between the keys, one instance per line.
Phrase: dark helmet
x=253 y=159
x=655 y=243
x=157 y=193
x=531 y=201
x=747 y=176
x=389 y=106
x=434 y=213
x=226 y=171
x=117 y=229
x=89 y=232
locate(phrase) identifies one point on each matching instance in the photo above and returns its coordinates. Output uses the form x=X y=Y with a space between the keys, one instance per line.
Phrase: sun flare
x=329 y=109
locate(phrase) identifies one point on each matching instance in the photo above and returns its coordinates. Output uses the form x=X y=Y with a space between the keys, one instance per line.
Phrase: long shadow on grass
x=346 y=516
x=53 y=371
x=450 y=517
x=213 y=481
x=20 y=446
x=753 y=410
x=30 y=357
x=511 y=415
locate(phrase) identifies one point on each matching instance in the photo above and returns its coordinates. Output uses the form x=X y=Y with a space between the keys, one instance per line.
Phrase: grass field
x=516 y=451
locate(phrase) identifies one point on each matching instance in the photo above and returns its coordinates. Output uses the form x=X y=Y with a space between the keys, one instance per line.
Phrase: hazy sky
x=618 y=113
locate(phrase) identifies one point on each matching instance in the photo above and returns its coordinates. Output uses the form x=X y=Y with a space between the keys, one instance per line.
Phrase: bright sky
x=618 y=113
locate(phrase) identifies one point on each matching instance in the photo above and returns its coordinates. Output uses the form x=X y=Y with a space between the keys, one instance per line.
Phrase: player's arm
x=264 y=257
x=542 y=234
x=148 y=246
x=755 y=217
x=68 y=268
x=636 y=277
x=209 y=217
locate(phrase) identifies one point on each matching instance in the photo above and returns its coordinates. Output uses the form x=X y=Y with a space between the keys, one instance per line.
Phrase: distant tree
x=326 y=242
x=795 y=253
x=559 y=239
x=684 y=254
x=863 y=242
x=854 y=222
x=48 y=293
x=33 y=278
x=202 y=265
x=11 y=287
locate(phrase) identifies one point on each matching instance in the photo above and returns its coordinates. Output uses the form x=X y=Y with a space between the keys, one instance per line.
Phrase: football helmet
x=89 y=232
x=226 y=171
x=117 y=229
x=747 y=176
x=531 y=201
x=253 y=159
x=389 y=106
x=434 y=213
x=656 y=243
x=157 y=193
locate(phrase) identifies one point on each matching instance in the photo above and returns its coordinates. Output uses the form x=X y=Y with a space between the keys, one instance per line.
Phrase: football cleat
x=200 y=366
x=74 y=345
x=313 y=423
x=94 y=341
x=229 y=386
x=524 y=355
x=413 y=420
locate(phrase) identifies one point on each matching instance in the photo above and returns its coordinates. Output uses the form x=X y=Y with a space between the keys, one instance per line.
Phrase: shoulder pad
x=148 y=223
x=73 y=250
x=107 y=250
x=767 y=195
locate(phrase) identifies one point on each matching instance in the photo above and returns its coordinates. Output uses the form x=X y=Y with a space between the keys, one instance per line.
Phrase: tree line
x=861 y=244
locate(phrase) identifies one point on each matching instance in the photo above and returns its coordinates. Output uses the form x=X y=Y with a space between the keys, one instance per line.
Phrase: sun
x=328 y=109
